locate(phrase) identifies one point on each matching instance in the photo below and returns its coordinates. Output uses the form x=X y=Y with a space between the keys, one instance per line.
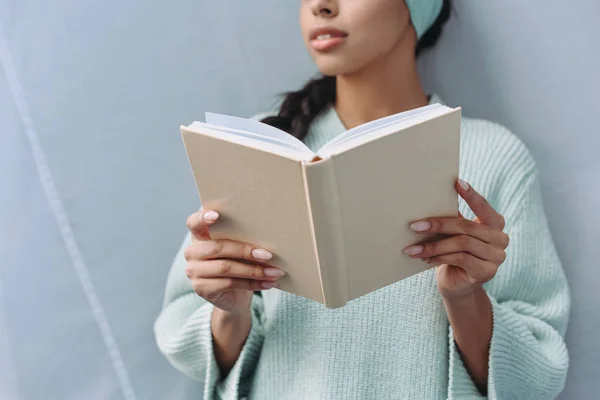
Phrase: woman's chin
x=331 y=66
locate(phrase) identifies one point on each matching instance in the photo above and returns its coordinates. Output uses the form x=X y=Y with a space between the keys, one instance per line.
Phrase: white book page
x=239 y=133
x=377 y=124
x=388 y=129
x=256 y=127
x=250 y=139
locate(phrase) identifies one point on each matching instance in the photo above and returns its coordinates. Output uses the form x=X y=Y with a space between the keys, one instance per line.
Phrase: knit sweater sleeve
x=530 y=300
x=183 y=334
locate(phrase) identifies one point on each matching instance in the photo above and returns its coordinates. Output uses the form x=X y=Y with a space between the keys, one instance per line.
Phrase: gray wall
x=95 y=188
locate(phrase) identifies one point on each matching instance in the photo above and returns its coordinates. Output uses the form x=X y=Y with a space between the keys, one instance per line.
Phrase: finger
x=211 y=289
x=461 y=226
x=225 y=248
x=480 y=206
x=199 y=222
x=227 y=268
x=479 y=271
x=456 y=244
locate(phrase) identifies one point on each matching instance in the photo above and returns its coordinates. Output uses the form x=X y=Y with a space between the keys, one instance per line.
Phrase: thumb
x=199 y=222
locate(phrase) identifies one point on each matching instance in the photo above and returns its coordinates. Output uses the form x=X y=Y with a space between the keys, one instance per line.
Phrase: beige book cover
x=336 y=221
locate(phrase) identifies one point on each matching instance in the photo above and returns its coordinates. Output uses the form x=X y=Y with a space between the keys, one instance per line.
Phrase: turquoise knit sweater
x=396 y=343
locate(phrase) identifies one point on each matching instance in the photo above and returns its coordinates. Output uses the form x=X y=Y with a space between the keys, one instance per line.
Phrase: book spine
x=325 y=210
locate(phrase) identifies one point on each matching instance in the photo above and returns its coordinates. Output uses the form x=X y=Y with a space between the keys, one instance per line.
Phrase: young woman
x=488 y=320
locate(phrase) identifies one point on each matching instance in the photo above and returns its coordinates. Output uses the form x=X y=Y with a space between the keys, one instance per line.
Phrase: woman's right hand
x=226 y=272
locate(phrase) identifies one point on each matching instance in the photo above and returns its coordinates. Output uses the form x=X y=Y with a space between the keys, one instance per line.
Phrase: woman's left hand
x=472 y=253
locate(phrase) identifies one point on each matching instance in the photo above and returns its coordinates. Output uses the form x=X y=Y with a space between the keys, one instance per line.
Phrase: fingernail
x=261 y=254
x=463 y=185
x=211 y=216
x=420 y=226
x=274 y=272
x=270 y=285
x=413 y=250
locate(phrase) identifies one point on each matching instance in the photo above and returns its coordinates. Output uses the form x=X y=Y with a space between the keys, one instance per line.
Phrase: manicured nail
x=261 y=254
x=211 y=216
x=270 y=285
x=274 y=272
x=420 y=226
x=413 y=250
x=463 y=185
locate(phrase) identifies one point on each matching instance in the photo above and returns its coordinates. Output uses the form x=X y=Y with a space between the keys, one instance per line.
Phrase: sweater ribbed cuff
x=518 y=365
x=237 y=382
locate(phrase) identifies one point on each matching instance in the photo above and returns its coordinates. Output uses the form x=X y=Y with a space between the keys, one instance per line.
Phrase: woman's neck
x=387 y=87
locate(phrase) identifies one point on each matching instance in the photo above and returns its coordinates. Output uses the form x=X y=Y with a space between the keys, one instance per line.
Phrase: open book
x=336 y=220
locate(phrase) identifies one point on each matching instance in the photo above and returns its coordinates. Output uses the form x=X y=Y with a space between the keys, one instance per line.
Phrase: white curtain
x=95 y=187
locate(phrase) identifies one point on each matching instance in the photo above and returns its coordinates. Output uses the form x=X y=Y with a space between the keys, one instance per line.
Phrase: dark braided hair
x=300 y=108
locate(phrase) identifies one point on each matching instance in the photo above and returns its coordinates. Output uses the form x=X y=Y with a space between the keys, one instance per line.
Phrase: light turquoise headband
x=423 y=14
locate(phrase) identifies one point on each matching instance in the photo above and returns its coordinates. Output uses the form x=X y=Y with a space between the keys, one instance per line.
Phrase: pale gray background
x=95 y=187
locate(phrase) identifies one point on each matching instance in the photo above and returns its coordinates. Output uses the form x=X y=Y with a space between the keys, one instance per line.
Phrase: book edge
x=291 y=155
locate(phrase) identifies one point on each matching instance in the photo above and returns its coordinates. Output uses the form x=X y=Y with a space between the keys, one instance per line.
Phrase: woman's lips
x=324 y=39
